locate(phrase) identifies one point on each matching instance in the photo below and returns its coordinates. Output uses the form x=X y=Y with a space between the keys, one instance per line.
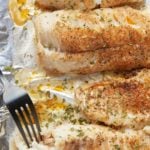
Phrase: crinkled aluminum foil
x=6 y=47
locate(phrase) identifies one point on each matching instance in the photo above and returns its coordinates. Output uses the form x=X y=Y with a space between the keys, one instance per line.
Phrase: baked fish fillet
x=120 y=58
x=78 y=31
x=84 y=4
x=87 y=137
x=121 y=103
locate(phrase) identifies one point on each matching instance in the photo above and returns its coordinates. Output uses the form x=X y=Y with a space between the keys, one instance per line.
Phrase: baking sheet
x=19 y=56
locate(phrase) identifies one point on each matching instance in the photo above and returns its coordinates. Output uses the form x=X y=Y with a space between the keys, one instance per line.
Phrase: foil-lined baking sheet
x=19 y=51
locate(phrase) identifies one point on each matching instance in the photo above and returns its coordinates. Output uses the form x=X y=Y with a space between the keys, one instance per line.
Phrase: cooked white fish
x=87 y=137
x=124 y=103
x=77 y=31
x=121 y=58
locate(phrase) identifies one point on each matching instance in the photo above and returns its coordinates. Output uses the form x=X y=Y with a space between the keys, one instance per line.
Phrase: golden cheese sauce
x=57 y=112
x=21 y=2
x=18 y=14
x=21 y=11
x=43 y=108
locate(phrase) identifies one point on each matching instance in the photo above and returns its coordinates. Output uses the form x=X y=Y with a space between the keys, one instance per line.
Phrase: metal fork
x=23 y=112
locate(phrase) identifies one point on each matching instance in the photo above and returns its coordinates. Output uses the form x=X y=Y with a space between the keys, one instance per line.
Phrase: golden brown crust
x=66 y=4
x=136 y=97
x=84 y=4
x=71 y=40
x=114 y=3
x=119 y=103
x=77 y=31
x=121 y=58
x=97 y=144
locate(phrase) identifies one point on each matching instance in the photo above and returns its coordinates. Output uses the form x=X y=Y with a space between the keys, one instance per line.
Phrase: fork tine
x=31 y=124
x=25 y=122
x=15 y=98
x=33 y=111
x=15 y=117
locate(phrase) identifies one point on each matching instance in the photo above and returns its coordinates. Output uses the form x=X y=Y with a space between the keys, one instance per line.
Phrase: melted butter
x=19 y=16
x=24 y=13
x=21 y=2
x=50 y=104
x=130 y=21
x=59 y=88
x=22 y=10
x=43 y=108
